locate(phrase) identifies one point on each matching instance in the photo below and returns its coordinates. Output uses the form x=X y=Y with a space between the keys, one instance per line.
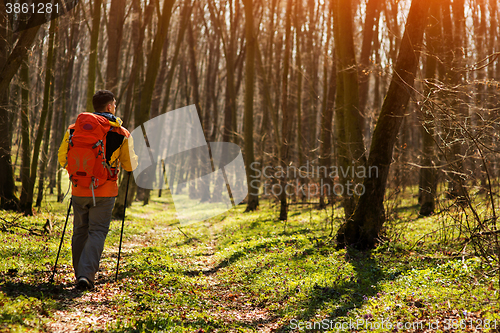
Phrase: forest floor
x=246 y=272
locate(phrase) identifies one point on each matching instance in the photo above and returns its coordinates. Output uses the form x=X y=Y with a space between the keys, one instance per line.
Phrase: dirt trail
x=88 y=311
x=238 y=308
x=94 y=311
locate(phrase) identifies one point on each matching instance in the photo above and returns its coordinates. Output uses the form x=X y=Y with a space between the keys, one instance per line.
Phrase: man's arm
x=62 y=155
x=128 y=158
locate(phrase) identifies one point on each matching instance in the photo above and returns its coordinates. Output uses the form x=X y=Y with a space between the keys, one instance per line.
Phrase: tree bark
x=173 y=64
x=350 y=139
x=298 y=41
x=115 y=35
x=43 y=117
x=253 y=198
x=154 y=57
x=363 y=228
x=228 y=39
x=325 y=155
x=427 y=189
x=66 y=90
x=9 y=65
x=286 y=114
x=25 y=134
x=370 y=32
x=14 y=60
x=45 y=150
x=153 y=62
x=452 y=61
x=94 y=39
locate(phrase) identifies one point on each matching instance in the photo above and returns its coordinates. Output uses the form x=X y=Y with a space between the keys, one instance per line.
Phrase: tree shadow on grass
x=206 y=324
x=348 y=293
x=232 y=258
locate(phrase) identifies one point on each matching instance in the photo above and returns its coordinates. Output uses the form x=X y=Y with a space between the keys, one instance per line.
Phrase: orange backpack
x=87 y=151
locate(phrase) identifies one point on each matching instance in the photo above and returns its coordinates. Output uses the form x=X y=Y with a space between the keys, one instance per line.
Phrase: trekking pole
x=51 y=280
x=121 y=234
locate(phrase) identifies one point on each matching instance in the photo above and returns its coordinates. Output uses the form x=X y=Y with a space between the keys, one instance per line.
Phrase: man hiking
x=91 y=151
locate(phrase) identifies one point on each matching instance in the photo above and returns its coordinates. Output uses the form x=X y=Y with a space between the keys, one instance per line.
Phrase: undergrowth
x=246 y=272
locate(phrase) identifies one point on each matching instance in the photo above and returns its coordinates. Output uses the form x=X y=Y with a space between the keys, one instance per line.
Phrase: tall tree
x=185 y=15
x=298 y=41
x=370 y=31
x=453 y=37
x=428 y=182
x=25 y=134
x=286 y=114
x=8 y=198
x=253 y=198
x=154 y=61
x=115 y=35
x=9 y=65
x=311 y=100
x=362 y=229
x=325 y=154
x=228 y=36
x=143 y=113
x=94 y=39
x=46 y=140
x=69 y=62
x=43 y=117
x=351 y=150
x=139 y=24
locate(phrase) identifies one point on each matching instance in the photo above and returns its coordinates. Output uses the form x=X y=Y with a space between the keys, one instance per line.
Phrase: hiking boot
x=84 y=284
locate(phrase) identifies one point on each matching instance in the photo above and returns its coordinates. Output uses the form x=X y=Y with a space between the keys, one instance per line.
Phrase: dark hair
x=101 y=99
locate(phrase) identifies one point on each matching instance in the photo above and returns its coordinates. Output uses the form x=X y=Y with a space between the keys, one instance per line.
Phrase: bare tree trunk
x=43 y=117
x=253 y=198
x=325 y=153
x=94 y=38
x=9 y=65
x=351 y=145
x=229 y=47
x=115 y=35
x=153 y=62
x=25 y=133
x=312 y=94
x=286 y=114
x=152 y=69
x=362 y=230
x=298 y=40
x=73 y=38
x=58 y=106
x=186 y=13
x=193 y=70
x=138 y=31
x=370 y=32
x=45 y=150
x=427 y=188
x=155 y=105
x=453 y=43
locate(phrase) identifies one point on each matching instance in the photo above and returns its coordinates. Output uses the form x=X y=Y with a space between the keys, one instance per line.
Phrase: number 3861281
x=26 y=8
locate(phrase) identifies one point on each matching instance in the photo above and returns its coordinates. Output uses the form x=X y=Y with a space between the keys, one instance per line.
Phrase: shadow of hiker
x=36 y=287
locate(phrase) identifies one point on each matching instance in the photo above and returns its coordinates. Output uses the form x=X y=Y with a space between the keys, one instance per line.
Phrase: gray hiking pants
x=90 y=228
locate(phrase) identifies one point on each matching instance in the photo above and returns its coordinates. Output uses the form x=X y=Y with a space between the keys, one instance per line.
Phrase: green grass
x=240 y=271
